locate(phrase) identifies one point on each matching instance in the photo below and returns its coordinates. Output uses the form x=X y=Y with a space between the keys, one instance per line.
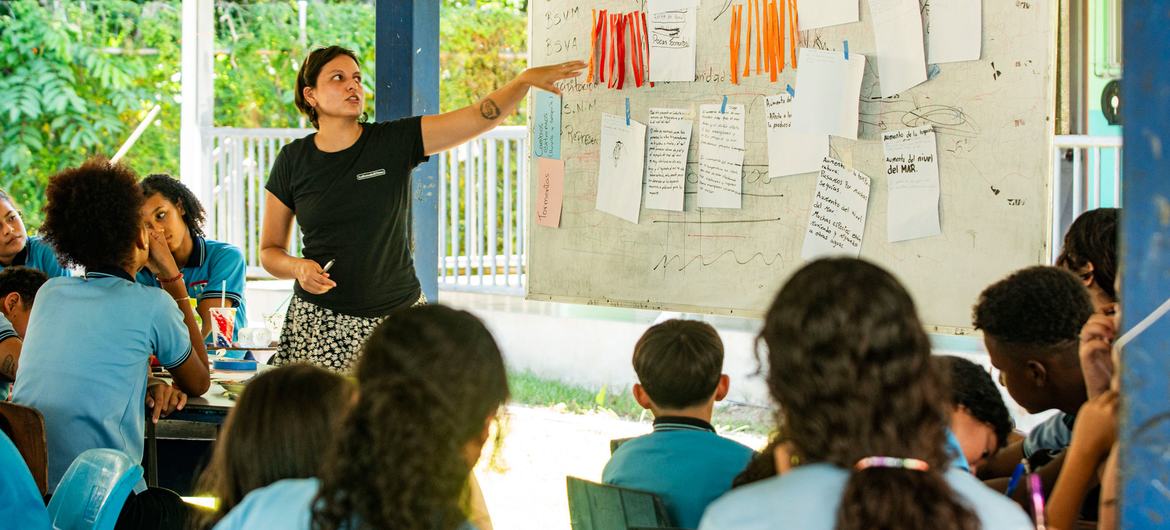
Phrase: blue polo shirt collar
x=21 y=257
x=198 y=252
x=681 y=423
x=108 y=272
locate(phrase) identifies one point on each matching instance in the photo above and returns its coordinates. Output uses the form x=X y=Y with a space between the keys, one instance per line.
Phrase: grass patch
x=535 y=391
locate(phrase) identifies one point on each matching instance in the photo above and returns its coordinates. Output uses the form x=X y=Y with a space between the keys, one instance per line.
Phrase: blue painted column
x=407 y=64
x=1145 y=266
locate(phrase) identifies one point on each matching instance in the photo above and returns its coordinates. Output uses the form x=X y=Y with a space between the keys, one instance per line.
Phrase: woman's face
x=339 y=91
x=162 y=215
x=12 y=234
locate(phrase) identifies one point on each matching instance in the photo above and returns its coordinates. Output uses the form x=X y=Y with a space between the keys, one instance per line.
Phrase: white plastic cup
x=223 y=324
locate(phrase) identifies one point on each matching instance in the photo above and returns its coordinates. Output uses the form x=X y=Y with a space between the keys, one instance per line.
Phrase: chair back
x=594 y=506
x=25 y=426
x=93 y=490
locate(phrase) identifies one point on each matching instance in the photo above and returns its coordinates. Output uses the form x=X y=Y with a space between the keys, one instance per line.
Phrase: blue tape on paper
x=846 y=50
x=627 y=112
x=723 y=109
x=791 y=92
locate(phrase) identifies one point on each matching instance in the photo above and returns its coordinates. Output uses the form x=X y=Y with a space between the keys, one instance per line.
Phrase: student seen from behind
x=430 y=382
x=680 y=377
x=86 y=354
x=864 y=409
x=1031 y=323
x=281 y=428
x=18 y=289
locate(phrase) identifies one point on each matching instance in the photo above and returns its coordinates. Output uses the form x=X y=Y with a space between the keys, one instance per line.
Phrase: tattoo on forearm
x=488 y=109
x=7 y=366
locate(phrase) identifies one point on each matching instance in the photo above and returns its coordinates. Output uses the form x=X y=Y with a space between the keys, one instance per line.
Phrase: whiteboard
x=993 y=119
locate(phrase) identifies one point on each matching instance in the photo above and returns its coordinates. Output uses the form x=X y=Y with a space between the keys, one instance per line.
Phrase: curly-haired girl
x=430 y=381
x=213 y=271
x=865 y=411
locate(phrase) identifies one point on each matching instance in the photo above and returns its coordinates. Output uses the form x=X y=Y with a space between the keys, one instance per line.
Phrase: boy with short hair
x=18 y=287
x=1031 y=323
x=679 y=365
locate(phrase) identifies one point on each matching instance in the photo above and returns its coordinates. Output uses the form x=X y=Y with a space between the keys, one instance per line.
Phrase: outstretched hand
x=544 y=77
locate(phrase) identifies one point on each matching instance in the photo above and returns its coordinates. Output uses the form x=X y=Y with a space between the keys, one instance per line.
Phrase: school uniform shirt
x=353 y=207
x=1053 y=434
x=683 y=461
x=283 y=504
x=21 y=505
x=214 y=268
x=808 y=497
x=37 y=254
x=86 y=357
x=955 y=449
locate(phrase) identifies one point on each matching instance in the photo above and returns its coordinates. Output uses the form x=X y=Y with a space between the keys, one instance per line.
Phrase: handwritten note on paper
x=619 y=177
x=546 y=133
x=789 y=152
x=720 y=156
x=836 y=222
x=912 y=171
x=822 y=13
x=829 y=90
x=550 y=187
x=666 y=158
x=954 y=31
x=672 y=26
x=897 y=33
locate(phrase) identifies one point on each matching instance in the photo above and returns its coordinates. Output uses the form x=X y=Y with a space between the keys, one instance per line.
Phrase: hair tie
x=891 y=462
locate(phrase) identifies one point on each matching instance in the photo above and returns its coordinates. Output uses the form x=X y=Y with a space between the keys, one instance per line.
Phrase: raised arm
x=443 y=131
x=274 y=242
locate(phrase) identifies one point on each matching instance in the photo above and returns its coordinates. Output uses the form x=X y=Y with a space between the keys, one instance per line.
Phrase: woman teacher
x=348 y=187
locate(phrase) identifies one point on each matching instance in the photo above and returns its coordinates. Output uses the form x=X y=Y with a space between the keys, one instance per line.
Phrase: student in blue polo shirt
x=21 y=505
x=18 y=289
x=86 y=355
x=210 y=268
x=17 y=248
x=866 y=412
x=680 y=372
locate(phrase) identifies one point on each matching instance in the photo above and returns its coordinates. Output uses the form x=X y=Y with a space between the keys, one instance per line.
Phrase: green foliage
x=78 y=77
x=482 y=48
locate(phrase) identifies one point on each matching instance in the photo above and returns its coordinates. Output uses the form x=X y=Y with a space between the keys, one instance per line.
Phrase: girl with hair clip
x=430 y=382
x=864 y=410
x=212 y=271
x=281 y=428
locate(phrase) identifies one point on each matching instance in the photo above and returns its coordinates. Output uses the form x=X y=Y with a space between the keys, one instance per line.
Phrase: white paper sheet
x=619 y=177
x=822 y=13
x=828 y=93
x=666 y=158
x=897 y=34
x=912 y=171
x=789 y=152
x=836 y=221
x=720 y=156
x=954 y=31
x=671 y=27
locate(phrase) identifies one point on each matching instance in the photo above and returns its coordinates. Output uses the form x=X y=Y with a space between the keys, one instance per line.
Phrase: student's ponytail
x=849 y=364
x=428 y=380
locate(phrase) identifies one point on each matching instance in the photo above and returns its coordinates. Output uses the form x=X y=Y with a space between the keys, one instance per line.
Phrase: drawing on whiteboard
x=617 y=153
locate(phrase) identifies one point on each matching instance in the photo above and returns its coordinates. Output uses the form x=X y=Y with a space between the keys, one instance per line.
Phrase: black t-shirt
x=353 y=206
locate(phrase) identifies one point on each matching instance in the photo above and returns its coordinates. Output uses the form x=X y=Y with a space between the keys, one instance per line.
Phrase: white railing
x=482 y=213
x=482 y=197
x=1086 y=174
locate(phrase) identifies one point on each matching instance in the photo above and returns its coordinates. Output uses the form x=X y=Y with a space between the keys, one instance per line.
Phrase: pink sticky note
x=550 y=184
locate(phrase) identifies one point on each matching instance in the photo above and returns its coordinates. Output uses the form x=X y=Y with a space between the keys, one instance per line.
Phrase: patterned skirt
x=316 y=335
